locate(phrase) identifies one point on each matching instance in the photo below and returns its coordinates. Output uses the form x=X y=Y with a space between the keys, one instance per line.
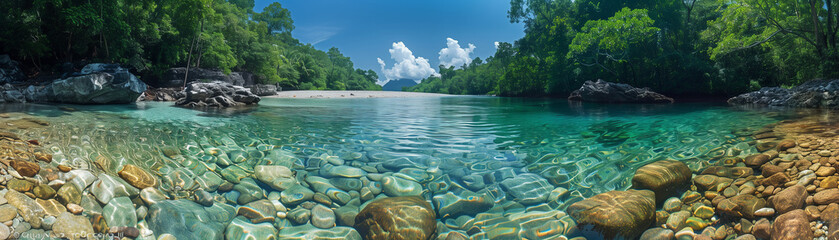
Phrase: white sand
x=352 y=94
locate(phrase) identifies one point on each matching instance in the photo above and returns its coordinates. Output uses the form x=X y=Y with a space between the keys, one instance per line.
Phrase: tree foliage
x=683 y=47
x=154 y=35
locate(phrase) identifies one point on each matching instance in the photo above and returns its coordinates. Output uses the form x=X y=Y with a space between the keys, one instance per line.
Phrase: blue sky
x=366 y=30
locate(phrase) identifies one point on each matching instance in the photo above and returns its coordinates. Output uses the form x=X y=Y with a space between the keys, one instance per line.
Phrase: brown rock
x=662 y=177
x=777 y=180
x=25 y=168
x=762 y=229
x=756 y=160
x=615 y=214
x=786 y=144
x=792 y=225
x=827 y=196
x=137 y=177
x=829 y=182
x=741 y=206
x=825 y=171
x=396 y=218
x=790 y=199
x=709 y=182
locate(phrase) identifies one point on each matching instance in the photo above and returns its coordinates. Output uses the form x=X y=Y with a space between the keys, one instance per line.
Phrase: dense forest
x=680 y=47
x=151 y=36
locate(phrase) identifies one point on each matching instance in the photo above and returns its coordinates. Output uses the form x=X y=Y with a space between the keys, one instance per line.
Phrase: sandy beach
x=352 y=94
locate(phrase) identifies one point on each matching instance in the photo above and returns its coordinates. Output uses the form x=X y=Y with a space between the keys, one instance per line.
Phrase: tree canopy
x=152 y=36
x=682 y=47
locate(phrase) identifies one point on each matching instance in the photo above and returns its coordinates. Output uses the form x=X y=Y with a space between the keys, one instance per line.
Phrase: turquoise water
x=471 y=142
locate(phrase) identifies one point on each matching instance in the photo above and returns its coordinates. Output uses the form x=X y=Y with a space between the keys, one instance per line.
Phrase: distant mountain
x=397 y=85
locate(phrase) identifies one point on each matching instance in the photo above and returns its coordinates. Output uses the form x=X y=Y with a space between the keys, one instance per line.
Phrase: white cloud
x=496 y=45
x=407 y=65
x=454 y=55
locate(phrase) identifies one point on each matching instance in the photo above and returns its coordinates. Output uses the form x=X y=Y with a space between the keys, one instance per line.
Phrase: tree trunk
x=189 y=60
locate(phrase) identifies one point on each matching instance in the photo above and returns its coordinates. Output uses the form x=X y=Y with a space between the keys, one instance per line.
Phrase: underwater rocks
x=662 y=177
x=216 y=94
x=241 y=228
x=616 y=214
x=603 y=91
x=137 y=177
x=396 y=218
x=187 y=220
x=528 y=188
x=792 y=225
x=72 y=226
x=817 y=93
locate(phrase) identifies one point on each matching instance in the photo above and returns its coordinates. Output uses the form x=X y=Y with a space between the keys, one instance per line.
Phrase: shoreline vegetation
x=351 y=94
x=692 y=48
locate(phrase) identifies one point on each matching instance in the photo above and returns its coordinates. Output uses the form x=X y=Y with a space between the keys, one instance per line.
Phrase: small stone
x=789 y=199
x=204 y=198
x=824 y=171
x=119 y=212
x=323 y=217
x=64 y=168
x=137 y=177
x=296 y=194
x=672 y=204
x=51 y=206
x=397 y=187
x=785 y=144
x=765 y=212
x=278 y=177
x=20 y=185
x=72 y=226
x=25 y=168
x=396 y=218
x=44 y=191
x=824 y=153
x=826 y=197
x=703 y=212
x=241 y=228
x=658 y=234
x=69 y=194
x=792 y=225
x=762 y=229
x=75 y=208
x=7 y=212
x=676 y=221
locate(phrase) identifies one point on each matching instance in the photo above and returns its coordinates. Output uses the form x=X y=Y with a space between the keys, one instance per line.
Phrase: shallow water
x=473 y=142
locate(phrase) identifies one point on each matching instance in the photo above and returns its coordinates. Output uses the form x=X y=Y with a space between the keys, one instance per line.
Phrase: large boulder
x=615 y=214
x=792 y=225
x=816 y=93
x=609 y=92
x=263 y=89
x=9 y=70
x=162 y=94
x=97 y=84
x=174 y=77
x=662 y=177
x=188 y=220
x=396 y=218
x=216 y=94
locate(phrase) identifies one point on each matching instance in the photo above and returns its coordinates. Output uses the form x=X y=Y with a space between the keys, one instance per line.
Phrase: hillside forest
x=151 y=36
x=678 y=47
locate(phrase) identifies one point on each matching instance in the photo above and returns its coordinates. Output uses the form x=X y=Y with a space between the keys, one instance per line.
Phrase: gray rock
x=216 y=94
x=816 y=93
x=98 y=84
x=9 y=70
x=528 y=188
x=263 y=89
x=186 y=220
x=311 y=232
x=72 y=226
x=603 y=91
x=241 y=228
x=119 y=212
x=323 y=217
x=174 y=77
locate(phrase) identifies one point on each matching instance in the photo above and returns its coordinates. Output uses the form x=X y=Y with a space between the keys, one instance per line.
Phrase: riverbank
x=352 y=94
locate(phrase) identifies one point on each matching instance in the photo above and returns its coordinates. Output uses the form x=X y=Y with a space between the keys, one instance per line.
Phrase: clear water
x=586 y=148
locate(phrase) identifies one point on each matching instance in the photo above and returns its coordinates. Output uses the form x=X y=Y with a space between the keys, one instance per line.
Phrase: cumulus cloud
x=454 y=55
x=407 y=65
x=496 y=44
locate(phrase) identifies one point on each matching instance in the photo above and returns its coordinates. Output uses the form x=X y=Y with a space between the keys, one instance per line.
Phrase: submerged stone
x=452 y=205
x=396 y=218
x=72 y=226
x=307 y=232
x=119 y=212
x=242 y=229
x=187 y=220
x=398 y=187
x=137 y=177
x=528 y=188
x=615 y=214
x=662 y=177
x=108 y=187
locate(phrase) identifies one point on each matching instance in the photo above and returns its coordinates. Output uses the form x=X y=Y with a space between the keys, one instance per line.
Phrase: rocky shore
x=787 y=191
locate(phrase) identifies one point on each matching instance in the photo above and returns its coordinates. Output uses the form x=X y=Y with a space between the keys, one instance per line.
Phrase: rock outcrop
x=162 y=94
x=9 y=70
x=174 y=77
x=263 y=89
x=97 y=83
x=216 y=94
x=609 y=92
x=811 y=94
